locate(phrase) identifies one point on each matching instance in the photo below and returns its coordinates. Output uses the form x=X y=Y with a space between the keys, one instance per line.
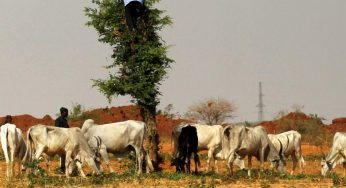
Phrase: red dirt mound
x=292 y=118
x=341 y=120
x=338 y=125
x=24 y=122
x=108 y=115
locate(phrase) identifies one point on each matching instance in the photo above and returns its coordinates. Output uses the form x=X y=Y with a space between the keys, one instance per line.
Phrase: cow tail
x=4 y=142
x=98 y=140
x=222 y=145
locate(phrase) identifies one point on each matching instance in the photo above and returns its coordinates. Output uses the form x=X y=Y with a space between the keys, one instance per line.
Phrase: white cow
x=240 y=141
x=289 y=143
x=337 y=154
x=55 y=141
x=13 y=147
x=119 y=138
x=209 y=138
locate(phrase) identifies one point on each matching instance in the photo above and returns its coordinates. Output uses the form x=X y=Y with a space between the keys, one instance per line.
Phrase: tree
x=77 y=111
x=140 y=61
x=211 y=111
x=167 y=112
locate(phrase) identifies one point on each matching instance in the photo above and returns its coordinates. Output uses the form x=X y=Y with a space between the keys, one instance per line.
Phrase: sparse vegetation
x=167 y=112
x=79 y=114
x=310 y=127
x=211 y=111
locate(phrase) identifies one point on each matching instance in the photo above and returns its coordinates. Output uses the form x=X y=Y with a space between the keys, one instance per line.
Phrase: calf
x=187 y=144
x=13 y=147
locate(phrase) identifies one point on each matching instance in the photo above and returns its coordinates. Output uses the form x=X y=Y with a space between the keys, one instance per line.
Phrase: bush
x=310 y=127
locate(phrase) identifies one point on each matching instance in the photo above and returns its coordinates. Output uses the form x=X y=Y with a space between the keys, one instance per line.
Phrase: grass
x=263 y=178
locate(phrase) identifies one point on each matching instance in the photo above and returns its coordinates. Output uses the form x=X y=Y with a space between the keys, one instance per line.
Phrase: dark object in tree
x=133 y=10
x=187 y=144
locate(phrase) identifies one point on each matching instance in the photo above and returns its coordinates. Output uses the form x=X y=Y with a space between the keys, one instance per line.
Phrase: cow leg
x=231 y=159
x=139 y=156
x=68 y=160
x=12 y=159
x=8 y=168
x=79 y=165
x=262 y=151
x=295 y=161
x=196 y=158
x=215 y=165
x=249 y=164
x=47 y=160
x=104 y=155
x=189 y=164
x=19 y=162
x=300 y=160
x=5 y=151
x=38 y=153
x=210 y=157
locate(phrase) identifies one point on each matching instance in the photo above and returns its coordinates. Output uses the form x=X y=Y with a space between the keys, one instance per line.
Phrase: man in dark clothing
x=62 y=122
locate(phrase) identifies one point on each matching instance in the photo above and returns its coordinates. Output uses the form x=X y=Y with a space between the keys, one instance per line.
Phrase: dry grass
x=125 y=177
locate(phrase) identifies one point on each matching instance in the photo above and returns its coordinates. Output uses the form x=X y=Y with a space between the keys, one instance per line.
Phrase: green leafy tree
x=140 y=61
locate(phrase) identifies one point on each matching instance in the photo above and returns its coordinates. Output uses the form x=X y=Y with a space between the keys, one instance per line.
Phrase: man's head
x=8 y=119
x=64 y=112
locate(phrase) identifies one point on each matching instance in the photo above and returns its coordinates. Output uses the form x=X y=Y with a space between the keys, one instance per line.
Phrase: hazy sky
x=221 y=48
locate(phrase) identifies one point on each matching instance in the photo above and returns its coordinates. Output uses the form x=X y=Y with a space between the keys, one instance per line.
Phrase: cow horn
x=100 y=142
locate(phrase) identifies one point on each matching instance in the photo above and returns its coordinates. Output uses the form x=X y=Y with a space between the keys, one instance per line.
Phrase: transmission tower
x=260 y=103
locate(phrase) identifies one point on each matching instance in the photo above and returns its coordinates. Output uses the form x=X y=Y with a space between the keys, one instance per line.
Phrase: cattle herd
x=91 y=143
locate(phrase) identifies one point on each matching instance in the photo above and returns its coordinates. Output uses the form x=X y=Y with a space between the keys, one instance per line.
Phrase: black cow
x=187 y=144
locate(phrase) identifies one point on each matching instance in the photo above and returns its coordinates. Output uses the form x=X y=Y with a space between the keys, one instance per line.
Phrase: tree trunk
x=152 y=137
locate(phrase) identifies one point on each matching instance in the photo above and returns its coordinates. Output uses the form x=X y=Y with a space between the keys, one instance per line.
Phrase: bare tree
x=211 y=111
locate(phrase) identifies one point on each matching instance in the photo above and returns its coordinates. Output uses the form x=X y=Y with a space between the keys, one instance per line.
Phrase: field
x=125 y=177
